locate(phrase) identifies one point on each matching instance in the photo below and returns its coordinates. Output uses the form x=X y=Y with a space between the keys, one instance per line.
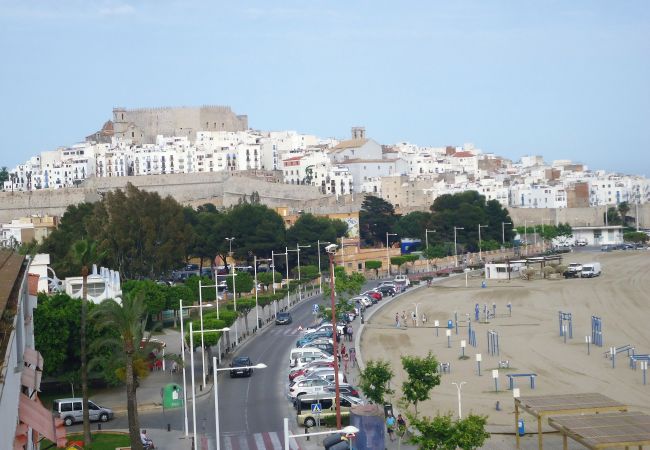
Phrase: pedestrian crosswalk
x=284 y=331
x=256 y=441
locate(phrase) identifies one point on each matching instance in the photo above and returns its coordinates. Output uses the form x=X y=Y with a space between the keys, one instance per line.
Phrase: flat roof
x=568 y=404
x=605 y=430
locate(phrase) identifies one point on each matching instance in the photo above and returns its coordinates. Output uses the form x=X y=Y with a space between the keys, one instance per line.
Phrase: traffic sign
x=315 y=308
x=316 y=408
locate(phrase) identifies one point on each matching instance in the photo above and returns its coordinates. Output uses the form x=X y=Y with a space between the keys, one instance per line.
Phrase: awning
x=32 y=413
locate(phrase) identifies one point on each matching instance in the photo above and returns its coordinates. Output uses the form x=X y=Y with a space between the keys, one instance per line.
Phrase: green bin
x=172 y=396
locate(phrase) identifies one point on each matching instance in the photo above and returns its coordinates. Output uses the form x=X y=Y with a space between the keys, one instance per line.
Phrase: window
x=66 y=407
x=76 y=406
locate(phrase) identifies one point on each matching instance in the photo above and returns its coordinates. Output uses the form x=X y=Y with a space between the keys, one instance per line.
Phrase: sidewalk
x=166 y=440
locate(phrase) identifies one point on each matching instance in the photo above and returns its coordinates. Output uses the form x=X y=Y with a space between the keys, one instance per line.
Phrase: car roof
x=241 y=359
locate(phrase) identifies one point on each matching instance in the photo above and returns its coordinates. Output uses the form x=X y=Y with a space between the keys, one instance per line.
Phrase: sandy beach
x=529 y=339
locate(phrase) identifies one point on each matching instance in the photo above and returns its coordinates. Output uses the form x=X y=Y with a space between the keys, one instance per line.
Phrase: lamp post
x=426 y=240
x=417 y=316
x=387 y=254
x=503 y=231
x=480 y=250
x=234 y=288
x=337 y=392
x=349 y=430
x=459 y=387
x=526 y=235
x=216 y=395
x=257 y=316
x=320 y=273
x=456 y=245
x=285 y=254
x=297 y=250
x=183 y=357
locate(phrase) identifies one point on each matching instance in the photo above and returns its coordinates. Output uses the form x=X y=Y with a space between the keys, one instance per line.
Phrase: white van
x=70 y=410
x=305 y=352
x=590 y=270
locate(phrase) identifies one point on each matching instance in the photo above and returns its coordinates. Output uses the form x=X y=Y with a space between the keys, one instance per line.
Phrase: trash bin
x=388 y=409
x=331 y=441
x=483 y=284
x=521 y=429
x=172 y=396
x=450 y=324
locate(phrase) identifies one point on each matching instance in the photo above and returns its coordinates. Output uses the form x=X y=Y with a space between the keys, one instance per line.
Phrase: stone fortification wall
x=578 y=217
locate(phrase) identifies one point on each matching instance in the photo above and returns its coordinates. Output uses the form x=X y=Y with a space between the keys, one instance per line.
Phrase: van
x=590 y=270
x=70 y=410
x=305 y=416
x=305 y=352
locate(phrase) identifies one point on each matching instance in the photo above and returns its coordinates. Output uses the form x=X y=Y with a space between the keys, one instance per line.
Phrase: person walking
x=404 y=324
x=390 y=426
x=396 y=320
x=353 y=356
x=346 y=360
x=350 y=332
x=424 y=319
x=414 y=319
x=401 y=425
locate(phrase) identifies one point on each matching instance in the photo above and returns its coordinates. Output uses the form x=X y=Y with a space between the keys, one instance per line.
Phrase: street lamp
x=320 y=273
x=426 y=239
x=257 y=316
x=480 y=250
x=273 y=255
x=349 y=430
x=183 y=356
x=216 y=396
x=387 y=254
x=456 y=245
x=234 y=288
x=417 y=316
x=297 y=250
x=503 y=231
x=459 y=387
x=331 y=249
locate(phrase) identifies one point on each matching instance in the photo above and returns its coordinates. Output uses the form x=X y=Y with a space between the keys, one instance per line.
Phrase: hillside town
x=161 y=141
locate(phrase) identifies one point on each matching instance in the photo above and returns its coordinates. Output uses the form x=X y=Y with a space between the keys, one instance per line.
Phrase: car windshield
x=283 y=315
x=241 y=361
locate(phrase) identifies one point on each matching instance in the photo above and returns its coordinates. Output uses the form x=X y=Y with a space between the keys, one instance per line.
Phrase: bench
x=625 y=348
x=512 y=376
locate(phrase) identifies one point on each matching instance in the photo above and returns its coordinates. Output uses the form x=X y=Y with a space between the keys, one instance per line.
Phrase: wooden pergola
x=608 y=430
x=563 y=404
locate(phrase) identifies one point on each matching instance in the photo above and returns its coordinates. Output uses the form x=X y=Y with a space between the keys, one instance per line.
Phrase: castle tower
x=358 y=133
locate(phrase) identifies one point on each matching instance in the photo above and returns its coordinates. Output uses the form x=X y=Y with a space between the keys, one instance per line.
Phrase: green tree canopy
x=4 y=175
x=345 y=285
x=267 y=278
x=422 y=376
x=623 y=209
x=374 y=381
x=376 y=218
x=244 y=282
x=443 y=433
x=414 y=224
x=310 y=229
x=635 y=236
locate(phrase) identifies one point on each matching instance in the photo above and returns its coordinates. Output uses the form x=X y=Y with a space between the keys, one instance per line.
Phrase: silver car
x=70 y=410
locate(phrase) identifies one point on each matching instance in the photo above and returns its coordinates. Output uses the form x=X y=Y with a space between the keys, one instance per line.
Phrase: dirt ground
x=529 y=339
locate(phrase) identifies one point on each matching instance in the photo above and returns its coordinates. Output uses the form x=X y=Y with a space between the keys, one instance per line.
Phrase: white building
x=101 y=286
x=538 y=196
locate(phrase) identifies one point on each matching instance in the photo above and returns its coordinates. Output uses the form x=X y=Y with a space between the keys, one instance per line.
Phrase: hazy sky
x=564 y=79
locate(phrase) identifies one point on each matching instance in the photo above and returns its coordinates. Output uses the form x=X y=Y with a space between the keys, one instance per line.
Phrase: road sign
x=316 y=408
x=315 y=308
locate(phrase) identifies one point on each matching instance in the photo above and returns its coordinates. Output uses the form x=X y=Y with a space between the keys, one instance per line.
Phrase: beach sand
x=529 y=339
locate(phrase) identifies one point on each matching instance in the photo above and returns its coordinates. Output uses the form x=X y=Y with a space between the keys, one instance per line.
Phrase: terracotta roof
x=463 y=155
x=351 y=143
x=293 y=158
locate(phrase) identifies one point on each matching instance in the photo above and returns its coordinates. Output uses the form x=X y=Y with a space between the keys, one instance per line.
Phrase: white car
x=299 y=363
x=308 y=387
x=402 y=279
x=364 y=300
x=324 y=326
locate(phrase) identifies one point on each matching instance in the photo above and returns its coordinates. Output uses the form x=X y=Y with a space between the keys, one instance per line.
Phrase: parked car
x=402 y=279
x=387 y=289
x=326 y=346
x=283 y=318
x=307 y=387
x=70 y=410
x=240 y=367
x=590 y=270
x=374 y=294
x=306 y=418
x=326 y=333
x=345 y=389
x=581 y=242
x=324 y=325
x=573 y=270
x=319 y=372
x=303 y=361
x=303 y=352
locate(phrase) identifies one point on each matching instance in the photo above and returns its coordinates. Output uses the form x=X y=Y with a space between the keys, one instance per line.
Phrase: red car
x=374 y=294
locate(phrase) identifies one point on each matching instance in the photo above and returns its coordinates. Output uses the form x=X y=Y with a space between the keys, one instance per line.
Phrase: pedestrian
x=396 y=320
x=401 y=425
x=404 y=324
x=342 y=349
x=350 y=331
x=414 y=319
x=390 y=426
x=346 y=360
x=353 y=356
x=424 y=319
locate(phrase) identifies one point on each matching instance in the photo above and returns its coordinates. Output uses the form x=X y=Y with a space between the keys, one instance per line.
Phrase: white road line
x=275 y=441
x=293 y=444
x=259 y=441
x=226 y=443
x=243 y=442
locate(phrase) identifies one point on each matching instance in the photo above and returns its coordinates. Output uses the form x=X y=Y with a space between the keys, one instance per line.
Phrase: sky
x=561 y=79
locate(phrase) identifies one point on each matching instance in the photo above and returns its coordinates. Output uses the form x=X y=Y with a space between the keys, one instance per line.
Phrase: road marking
x=226 y=443
x=276 y=441
x=259 y=441
x=243 y=442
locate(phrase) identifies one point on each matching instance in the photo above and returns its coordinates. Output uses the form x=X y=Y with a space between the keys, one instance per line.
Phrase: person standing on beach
x=414 y=319
x=404 y=324
x=396 y=320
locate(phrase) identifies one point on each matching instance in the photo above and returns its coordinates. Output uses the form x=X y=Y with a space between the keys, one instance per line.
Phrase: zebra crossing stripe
x=275 y=441
x=243 y=442
x=259 y=441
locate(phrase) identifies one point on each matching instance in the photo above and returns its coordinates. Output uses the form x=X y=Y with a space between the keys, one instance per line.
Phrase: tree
x=414 y=224
x=308 y=273
x=373 y=265
x=623 y=209
x=635 y=236
x=244 y=282
x=4 y=175
x=422 y=376
x=345 y=285
x=441 y=432
x=85 y=253
x=267 y=278
x=128 y=319
x=435 y=251
x=612 y=217
x=374 y=381
x=398 y=261
x=309 y=229
x=376 y=218
x=154 y=295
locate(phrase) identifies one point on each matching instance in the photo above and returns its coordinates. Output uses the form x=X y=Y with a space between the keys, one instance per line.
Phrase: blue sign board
x=316 y=408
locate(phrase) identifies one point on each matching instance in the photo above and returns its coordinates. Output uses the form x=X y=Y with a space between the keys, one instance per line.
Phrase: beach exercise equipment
x=493 y=342
x=472 y=337
x=444 y=367
x=566 y=324
x=597 y=331
x=644 y=369
x=477 y=311
x=512 y=376
x=495 y=375
x=448 y=333
x=479 y=357
x=627 y=348
x=638 y=358
x=504 y=364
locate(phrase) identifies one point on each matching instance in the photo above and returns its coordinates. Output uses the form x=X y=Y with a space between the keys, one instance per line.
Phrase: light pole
x=320 y=273
x=297 y=250
x=417 y=316
x=348 y=431
x=234 y=288
x=257 y=315
x=480 y=250
x=183 y=357
x=426 y=239
x=387 y=254
x=459 y=387
x=285 y=254
x=216 y=395
x=331 y=250
x=503 y=231
x=456 y=245
x=526 y=235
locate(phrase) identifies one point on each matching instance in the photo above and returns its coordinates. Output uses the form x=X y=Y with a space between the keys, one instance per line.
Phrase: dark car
x=283 y=318
x=241 y=367
x=386 y=290
x=344 y=389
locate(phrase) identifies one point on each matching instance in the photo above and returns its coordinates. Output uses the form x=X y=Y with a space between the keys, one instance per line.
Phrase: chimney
x=358 y=133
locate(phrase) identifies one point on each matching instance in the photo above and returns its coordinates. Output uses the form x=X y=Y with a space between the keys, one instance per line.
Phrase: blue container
x=483 y=284
x=408 y=245
x=521 y=429
x=450 y=324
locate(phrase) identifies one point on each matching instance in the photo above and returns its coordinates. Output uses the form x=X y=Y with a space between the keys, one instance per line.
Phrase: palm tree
x=623 y=209
x=84 y=252
x=128 y=320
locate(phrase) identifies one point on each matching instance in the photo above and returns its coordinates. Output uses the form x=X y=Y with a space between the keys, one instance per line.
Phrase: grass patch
x=463 y=358
x=101 y=440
